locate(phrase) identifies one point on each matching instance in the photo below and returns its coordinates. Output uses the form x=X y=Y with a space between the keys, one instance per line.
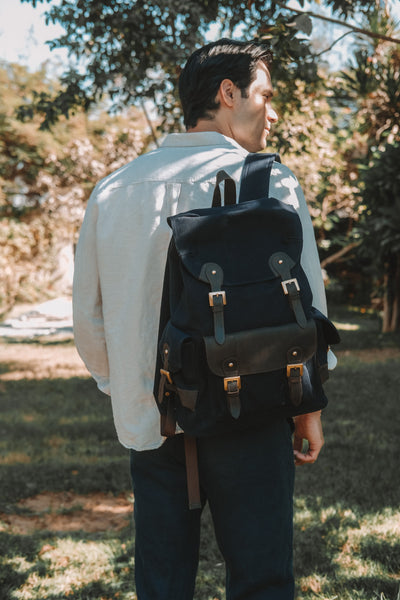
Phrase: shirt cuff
x=332 y=360
x=103 y=383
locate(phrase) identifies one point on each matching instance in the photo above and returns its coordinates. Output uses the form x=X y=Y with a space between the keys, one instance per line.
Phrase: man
x=246 y=477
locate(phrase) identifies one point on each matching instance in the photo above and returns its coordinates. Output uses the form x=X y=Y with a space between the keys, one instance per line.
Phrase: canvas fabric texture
x=238 y=334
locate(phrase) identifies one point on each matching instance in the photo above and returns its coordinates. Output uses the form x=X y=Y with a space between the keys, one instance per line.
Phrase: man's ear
x=226 y=93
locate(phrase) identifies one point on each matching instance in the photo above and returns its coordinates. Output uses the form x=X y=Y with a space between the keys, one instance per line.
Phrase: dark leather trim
x=164 y=372
x=281 y=264
x=168 y=421
x=187 y=397
x=214 y=276
x=229 y=190
x=260 y=350
x=323 y=372
x=330 y=332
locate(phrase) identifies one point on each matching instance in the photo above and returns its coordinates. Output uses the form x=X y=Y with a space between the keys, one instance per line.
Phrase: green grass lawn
x=65 y=500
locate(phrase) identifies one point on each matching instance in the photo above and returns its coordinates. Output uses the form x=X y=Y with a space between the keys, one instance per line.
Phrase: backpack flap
x=226 y=277
x=261 y=350
x=285 y=347
x=217 y=234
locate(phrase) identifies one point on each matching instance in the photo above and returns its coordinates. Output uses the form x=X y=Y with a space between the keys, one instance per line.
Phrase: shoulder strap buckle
x=286 y=282
x=212 y=296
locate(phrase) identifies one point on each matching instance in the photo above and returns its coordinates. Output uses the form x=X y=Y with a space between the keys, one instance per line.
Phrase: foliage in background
x=312 y=144
x=380 y=225
x=370 y=88
x=330 y=124
x=133 y=50
x=45 y=179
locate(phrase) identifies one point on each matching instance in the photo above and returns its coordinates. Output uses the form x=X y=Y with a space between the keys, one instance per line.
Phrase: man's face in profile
x=253 y=116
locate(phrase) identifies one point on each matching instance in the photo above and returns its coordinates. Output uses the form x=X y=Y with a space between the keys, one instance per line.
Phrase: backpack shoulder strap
x=256 y=175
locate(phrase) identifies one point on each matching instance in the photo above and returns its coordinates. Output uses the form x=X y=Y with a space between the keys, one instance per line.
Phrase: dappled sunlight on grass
x=69 y=565
x=361 y=550
x=12 y=458
x=66 y=504
x=346 y=326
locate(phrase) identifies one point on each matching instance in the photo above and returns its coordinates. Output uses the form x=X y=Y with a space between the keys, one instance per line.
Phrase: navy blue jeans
x=247 y=479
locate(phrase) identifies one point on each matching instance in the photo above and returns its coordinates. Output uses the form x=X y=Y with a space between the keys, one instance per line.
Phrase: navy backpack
x=239 y=339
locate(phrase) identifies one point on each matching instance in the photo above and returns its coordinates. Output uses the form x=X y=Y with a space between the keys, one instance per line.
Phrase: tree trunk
x=391 y=303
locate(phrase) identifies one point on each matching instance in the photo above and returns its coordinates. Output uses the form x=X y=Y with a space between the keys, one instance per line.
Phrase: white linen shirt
x=120 y=260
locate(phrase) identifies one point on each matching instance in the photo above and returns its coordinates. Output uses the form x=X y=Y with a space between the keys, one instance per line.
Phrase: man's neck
x=215 y=124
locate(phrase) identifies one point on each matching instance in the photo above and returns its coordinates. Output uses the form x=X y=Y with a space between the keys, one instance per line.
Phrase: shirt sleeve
x=87 y=303
x=285 y=187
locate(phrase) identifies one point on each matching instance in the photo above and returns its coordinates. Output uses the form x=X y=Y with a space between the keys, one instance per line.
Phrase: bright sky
x=23 y=32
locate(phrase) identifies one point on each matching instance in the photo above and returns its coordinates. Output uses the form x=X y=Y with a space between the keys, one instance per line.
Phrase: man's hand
x=309 y=428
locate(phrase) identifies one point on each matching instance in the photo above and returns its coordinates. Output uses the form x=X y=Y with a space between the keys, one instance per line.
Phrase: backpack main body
x=239 y=340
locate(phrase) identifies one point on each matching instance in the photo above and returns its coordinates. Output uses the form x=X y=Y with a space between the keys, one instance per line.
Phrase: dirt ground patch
x=51 y=511
x=69 y=512
x=40 y=361
x=370 y=355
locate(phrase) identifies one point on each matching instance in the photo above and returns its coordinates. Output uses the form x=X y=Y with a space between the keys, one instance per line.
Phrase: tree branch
x=334 y=257
x=333 y=44
x=366 y=32
x=150 y=124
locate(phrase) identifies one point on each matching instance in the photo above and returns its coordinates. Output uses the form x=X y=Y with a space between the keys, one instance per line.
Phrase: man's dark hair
x=208 y=66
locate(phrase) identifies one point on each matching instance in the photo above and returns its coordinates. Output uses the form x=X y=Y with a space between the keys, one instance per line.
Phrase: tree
x=45 y=180
x=380 y=223
x=133 y=50
x=370 y=89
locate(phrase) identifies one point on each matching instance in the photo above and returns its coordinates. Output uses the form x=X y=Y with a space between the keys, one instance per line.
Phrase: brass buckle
x=294 y=366
x=167 y=375
x=285 y=283
x=231 y=379
x=211 y=296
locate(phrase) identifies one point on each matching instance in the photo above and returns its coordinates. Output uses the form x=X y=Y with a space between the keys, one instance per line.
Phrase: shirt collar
x=200 y=138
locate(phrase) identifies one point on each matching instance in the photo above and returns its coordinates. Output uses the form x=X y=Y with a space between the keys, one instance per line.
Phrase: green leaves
x=132 y=50
x=46 y=178
x=349 y=7
x=381 y=196
x=380 y=225
x=303 y=23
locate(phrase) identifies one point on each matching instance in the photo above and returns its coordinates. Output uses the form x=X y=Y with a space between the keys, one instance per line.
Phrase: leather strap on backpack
x=229 y=190
x=294 y=372
x=168 y=429
x=212 y=274
x=281 y=264
x=232 y=385
x=168 y=422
